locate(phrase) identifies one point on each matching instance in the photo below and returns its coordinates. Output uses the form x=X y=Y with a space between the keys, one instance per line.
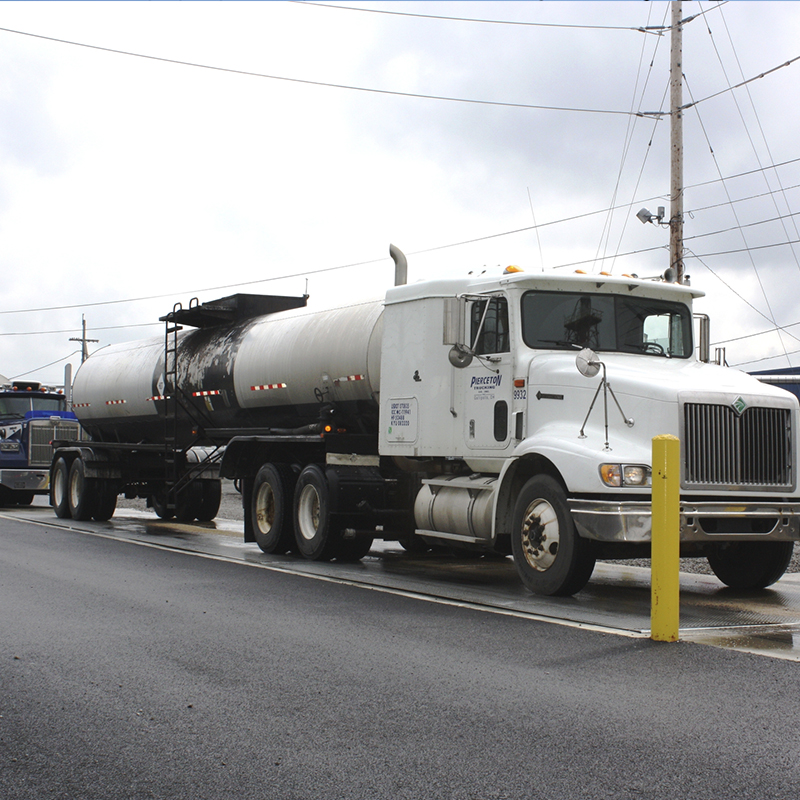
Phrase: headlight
x=625 y=474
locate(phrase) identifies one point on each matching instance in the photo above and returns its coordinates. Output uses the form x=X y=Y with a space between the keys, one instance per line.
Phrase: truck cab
x=31 y=417
x=540 y=396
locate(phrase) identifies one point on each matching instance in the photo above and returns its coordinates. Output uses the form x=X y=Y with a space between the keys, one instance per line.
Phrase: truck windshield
x=17 y=406
x=606 y=322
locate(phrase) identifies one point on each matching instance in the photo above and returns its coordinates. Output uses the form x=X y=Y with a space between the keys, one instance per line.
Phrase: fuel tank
x=274 y=370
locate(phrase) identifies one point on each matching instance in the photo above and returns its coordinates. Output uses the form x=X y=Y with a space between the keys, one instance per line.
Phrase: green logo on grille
x=739 y=406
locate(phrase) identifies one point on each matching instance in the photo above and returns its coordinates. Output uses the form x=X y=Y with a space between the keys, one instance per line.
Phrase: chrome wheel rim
x=265 y=508
x=308 y=512
x=540 y=535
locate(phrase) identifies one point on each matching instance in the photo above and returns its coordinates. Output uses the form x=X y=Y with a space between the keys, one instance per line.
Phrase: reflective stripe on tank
x=208 y=393
x=349 y=378
x=266 y=386
x=115 y=402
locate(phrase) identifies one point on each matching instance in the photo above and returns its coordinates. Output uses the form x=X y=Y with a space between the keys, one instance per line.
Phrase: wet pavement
x=616 y=601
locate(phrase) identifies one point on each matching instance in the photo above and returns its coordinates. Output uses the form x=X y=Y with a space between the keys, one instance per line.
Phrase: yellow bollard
x=665 y=555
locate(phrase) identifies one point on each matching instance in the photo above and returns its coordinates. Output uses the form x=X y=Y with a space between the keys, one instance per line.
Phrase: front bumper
x=25 y=480
x=615 y=521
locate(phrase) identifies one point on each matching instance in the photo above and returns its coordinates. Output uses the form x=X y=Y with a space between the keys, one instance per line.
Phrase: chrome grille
x=42 y=433
x=722 y=448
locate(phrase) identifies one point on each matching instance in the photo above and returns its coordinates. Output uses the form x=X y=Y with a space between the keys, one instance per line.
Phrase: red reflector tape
x=266 y=386
x=158 y=397
x=81 y=405
x=206 y=394
x=115 y=402
x=350 y=378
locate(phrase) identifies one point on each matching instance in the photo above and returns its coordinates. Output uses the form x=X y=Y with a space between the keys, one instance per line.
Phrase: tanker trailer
x=160 y=412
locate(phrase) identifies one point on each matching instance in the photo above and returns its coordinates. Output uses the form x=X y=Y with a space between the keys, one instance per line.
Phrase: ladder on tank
x=171 y=403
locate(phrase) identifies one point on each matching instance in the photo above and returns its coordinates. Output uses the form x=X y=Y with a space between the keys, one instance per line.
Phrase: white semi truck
x=510 y=414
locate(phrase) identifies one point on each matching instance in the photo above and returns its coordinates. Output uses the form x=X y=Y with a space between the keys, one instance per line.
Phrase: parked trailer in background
x=509 y=414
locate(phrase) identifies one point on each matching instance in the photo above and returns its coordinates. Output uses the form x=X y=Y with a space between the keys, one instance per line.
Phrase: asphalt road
x=134 y=672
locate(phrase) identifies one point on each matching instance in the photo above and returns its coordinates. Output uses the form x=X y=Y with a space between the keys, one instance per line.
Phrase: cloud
x=125 y=177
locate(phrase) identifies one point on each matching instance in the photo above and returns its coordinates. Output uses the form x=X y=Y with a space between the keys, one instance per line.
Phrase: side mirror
x=455 y=312
x=587 y=362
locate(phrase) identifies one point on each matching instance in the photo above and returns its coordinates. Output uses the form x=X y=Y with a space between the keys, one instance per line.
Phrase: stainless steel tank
x=276 y=370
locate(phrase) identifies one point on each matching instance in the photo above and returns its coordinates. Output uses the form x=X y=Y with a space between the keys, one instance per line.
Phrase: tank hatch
x=234 y=308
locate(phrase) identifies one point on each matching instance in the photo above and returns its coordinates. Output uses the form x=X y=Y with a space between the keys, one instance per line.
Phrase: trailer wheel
x=59 y=489
x=82 y=492
x=158 y=502
x=354 y=549
x=211 y=497
x=750 y=565
x=106 y=500
x=550 y=557
x=271 y=508
x=315 y=537
x=188 y=502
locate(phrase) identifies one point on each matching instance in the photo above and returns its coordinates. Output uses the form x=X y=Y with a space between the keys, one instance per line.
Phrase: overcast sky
x=130 y=182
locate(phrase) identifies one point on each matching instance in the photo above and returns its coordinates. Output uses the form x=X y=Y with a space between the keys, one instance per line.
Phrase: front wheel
x=750 y=565
x=550 y=557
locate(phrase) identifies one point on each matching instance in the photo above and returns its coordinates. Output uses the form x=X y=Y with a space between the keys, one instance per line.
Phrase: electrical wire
x=323 y=84
x=45 y=366
x=638 y=29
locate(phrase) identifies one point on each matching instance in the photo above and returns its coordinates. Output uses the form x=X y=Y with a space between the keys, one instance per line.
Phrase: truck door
x=488 y=380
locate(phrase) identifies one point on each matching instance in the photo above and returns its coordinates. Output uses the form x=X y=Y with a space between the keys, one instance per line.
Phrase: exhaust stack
x=400 y=266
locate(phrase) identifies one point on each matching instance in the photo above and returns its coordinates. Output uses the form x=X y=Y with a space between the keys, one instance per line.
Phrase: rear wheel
x=271 y=508
x=211 y=497
x=106 y=500
x=750 y=565
x=82 y=492
x=354 y=549
x=550 y=557
x=158 y=502
x=314 y=534
x=59 y=489
x=188 y=503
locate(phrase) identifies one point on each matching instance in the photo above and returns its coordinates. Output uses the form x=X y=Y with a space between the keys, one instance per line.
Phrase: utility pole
x=676 y=145
x=83 y=340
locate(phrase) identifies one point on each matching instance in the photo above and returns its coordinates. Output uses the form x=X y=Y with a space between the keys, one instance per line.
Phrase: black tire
x=550 y=557
x=189 y=502
x=158 y=502
x=271 y=508
x=750 y=565
x=210 y=499
x=414 y=544
x=106 y=500
x=315 y=536
x=59 y=489
x=354 y=549
x=82 y=492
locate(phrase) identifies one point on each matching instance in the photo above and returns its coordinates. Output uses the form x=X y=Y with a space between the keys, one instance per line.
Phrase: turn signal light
x=626 y=474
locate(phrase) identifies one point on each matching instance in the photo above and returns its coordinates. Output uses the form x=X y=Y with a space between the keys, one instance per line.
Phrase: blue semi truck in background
x=31 y=417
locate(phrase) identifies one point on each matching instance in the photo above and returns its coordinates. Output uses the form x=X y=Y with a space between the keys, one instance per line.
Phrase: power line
x=324 y=84
x=639 y=29
x=741 y=84
x=45 y=366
